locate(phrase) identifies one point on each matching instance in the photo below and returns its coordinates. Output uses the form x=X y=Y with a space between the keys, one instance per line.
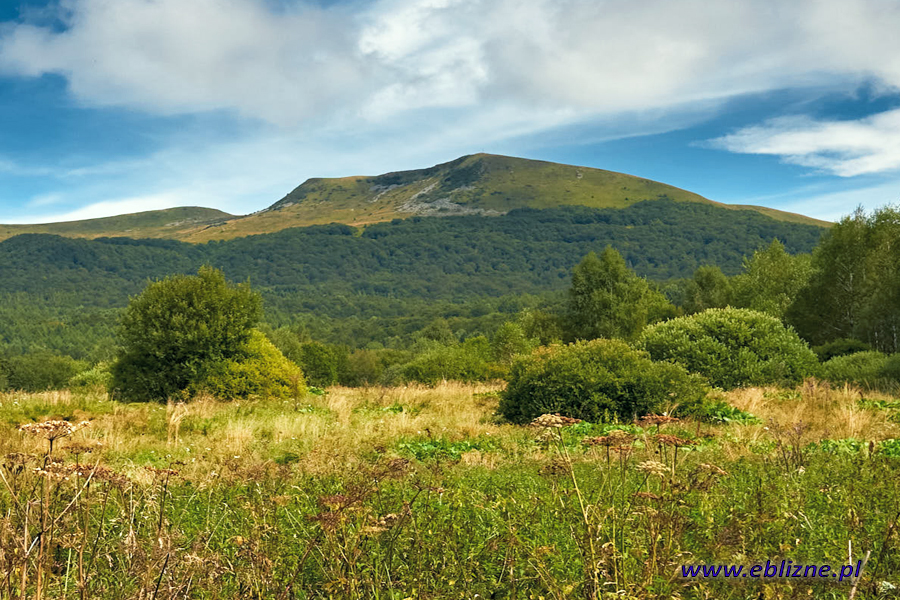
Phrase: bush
x=260 y=369
x=97 y=379
x=597 y=380
x=468 y=361
x=321 y=363
x=732 y=347
x=39 y=371
x=178 y=329
x=840 y=347
x=868 y=369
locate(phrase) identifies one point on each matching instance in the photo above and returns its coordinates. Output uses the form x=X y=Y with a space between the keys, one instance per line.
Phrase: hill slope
x=359 y=286
x=171 y=223
x=480 y=184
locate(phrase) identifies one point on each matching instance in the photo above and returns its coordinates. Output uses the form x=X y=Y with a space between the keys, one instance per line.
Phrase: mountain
x=173 y=223
x=375 y=284
x=480 y=184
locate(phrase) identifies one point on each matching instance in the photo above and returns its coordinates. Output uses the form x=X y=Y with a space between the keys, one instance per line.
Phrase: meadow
x=423 y=492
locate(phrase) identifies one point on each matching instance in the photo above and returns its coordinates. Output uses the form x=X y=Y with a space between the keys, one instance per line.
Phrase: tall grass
x=420 y=492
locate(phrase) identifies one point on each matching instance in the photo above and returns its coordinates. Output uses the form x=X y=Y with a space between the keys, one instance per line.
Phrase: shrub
x=732 y=347
x=260 y=369
x=468 y=361
x=97 y=379
x=868 y=369
x=840 y=347
x=178 y=329
x=39 y=371
x=597 y=380
x=321 y=363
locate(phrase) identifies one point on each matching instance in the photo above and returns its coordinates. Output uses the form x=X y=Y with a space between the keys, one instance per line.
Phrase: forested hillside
x=63 y=293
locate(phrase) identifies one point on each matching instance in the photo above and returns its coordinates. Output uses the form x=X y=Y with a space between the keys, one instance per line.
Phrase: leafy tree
x=439 y=331
x=771 y=280
x=607 y=300
x=831 y=304
x=177 y=329
x=708 y=288
x=854 y=291
x=321 y=363
x=510 y=341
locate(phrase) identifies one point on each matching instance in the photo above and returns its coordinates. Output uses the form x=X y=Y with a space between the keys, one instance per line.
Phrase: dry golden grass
x=341 y=429
x=826 y=412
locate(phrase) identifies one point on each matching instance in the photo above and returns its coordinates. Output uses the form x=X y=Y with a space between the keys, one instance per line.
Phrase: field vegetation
x=422 y=492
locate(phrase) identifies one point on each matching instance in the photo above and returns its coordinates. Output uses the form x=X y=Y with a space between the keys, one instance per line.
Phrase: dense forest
x=375 y=285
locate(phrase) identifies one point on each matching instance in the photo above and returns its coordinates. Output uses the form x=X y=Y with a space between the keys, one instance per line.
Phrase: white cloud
x=833 y=206
x=308 y=66
x=843 y=148
x=109 y=208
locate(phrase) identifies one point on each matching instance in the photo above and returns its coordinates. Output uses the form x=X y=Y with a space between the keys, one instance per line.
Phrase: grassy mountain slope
x=173 y=223
x=480 y=184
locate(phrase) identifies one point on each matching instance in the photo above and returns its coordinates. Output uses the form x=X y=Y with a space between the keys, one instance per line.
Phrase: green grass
x=421 y=493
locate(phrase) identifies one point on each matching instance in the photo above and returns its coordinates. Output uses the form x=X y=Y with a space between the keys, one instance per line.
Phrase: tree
x=771 y=280
x=178 y=329
x=709 y=288
x=854 y=291
x=608 y=300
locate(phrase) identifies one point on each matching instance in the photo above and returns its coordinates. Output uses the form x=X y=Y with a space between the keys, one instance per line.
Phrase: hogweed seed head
x=653 y=467
x=554 y=421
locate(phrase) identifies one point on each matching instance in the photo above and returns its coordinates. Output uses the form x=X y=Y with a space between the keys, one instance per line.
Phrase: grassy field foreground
x=421 y=493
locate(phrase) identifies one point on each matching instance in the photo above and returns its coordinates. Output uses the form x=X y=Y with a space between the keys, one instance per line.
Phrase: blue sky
x=116 y=106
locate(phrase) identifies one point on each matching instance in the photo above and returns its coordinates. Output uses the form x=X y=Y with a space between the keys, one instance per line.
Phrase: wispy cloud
x=109 y=208
x=833 y=206
x=844 y=148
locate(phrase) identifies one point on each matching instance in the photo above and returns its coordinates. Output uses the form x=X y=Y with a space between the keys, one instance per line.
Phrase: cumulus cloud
x=305 y=65
x=843 y=148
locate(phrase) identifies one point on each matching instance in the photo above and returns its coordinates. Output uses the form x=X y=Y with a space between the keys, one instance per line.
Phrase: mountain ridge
x=477 y=184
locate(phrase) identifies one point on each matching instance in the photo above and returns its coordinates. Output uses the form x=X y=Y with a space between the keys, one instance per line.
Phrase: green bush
x=96 y=379
x=732 y=347
x=321 y=363
x=38 y=371
x=259 y=369
x=471 y=360
x=869 y=369
x=597 y=380
x=840 y=347
x=178 y=329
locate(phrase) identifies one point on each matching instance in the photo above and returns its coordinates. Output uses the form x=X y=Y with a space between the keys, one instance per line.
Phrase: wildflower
x=52 y=430
x=616 y=437
x=554 y=421
x=652 y=467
